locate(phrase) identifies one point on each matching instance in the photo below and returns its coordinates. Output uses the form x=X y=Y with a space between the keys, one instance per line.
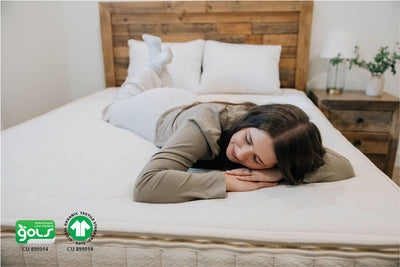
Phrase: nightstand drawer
x=369 y=143
x=361 y=120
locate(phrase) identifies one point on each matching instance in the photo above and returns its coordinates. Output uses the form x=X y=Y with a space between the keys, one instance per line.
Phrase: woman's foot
x=154 y=45
x=163 y=59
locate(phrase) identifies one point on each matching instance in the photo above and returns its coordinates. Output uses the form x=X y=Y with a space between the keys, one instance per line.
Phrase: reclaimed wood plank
x=106 y=37
x=186 y=17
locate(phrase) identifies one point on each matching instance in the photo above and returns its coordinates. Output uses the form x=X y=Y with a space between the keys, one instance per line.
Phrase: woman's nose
x=243 y=153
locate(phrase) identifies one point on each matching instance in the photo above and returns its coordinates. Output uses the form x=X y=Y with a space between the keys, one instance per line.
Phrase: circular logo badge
x=80 y=228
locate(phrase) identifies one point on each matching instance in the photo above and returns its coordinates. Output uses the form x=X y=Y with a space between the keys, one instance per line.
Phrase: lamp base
x=334 y=91
x=336 y=78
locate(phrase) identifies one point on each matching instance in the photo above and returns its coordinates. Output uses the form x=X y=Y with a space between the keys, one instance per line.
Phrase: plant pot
x=375 y=85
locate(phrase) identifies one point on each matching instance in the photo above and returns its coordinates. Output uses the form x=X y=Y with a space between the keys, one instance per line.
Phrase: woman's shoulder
x=231 y=113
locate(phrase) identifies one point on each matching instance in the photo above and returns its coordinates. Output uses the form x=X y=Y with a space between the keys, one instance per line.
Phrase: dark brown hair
x=297 y=141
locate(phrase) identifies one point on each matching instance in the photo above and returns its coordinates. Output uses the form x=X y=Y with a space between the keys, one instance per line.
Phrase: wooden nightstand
x=370 y=123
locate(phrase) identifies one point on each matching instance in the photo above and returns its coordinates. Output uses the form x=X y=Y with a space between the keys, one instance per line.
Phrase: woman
x=247 y=146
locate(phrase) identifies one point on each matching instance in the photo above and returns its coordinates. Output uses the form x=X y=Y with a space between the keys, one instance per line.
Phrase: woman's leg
x=154 y=46
x=151 y=76
x=126 y=109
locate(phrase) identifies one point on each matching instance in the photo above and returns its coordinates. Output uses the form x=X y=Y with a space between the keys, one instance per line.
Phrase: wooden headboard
x=287 y=23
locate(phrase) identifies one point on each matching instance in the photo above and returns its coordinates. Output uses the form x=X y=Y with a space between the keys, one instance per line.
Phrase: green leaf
x=383 y=60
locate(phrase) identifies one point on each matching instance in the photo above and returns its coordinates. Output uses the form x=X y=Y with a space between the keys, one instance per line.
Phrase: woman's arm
x=336 y=168
x=165 y=179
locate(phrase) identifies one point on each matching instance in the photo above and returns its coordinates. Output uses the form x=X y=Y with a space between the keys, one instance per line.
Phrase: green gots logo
x=80 y=228
x=35 y=231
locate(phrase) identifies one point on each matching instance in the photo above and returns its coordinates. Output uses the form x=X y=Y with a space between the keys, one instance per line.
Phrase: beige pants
x=137 y=108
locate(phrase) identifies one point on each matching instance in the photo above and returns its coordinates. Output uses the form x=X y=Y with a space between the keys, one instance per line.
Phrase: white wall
x=51 y=55
x=33 y=60
x=84 y=50
x=51 y=51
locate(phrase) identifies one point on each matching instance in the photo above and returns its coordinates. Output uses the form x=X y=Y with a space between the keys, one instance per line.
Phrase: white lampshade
x=338 y=42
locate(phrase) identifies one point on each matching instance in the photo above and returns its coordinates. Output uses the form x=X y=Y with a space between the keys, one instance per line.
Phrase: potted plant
x=383 y=60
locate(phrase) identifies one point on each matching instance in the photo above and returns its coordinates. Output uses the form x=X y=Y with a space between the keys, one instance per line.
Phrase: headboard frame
x=287 y=23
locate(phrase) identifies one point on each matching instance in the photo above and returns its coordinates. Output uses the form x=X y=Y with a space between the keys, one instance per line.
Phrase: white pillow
x=185 y=67
x=240 y=69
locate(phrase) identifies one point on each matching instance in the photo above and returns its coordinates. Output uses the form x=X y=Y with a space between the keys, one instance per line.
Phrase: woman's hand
x=239 y=180
x=266 y=175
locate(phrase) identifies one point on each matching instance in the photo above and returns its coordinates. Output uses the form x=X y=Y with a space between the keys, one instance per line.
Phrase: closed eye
x=247 y=139
x=256 y=161
x=256 y=158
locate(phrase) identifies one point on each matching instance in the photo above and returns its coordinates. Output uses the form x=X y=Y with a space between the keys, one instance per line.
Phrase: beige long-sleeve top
x=187 y=136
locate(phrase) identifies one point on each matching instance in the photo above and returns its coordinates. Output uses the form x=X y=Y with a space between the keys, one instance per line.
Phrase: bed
x=70 y=160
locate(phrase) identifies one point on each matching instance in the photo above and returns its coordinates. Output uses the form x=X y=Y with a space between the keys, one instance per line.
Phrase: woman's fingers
x=255 y=179
x=239 y=172
x=245 y=178
x=233 y=184
x=266 y=184
x=251 y=178
x=259 y=185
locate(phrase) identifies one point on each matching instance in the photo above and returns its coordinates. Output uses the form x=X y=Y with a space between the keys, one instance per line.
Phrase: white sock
x=153 y=44
x=163 y=59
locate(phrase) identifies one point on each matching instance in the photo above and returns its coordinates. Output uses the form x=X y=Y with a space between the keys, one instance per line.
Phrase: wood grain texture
x=107 y=42
x=286 y=23
x=303 y=45
x=369 y=143
x=361 y=120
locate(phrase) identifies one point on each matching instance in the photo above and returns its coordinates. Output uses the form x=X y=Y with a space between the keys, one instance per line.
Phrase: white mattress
x=71 y=160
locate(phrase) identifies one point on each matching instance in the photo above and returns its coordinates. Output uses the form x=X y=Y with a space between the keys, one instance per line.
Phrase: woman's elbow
x=139 y=195
x=331 y=172
x=147 y=190
x=338 y=167
x=348 y=171
x=344 y=171
x=142 y=193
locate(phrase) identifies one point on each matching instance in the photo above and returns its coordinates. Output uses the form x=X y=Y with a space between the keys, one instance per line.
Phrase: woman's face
x=253 y=148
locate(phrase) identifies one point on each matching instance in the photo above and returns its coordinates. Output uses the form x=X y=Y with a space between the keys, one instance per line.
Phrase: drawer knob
x=357 y=143
x=359 y=120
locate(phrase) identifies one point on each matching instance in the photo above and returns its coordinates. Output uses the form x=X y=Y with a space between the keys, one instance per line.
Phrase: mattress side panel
x=133 y=252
